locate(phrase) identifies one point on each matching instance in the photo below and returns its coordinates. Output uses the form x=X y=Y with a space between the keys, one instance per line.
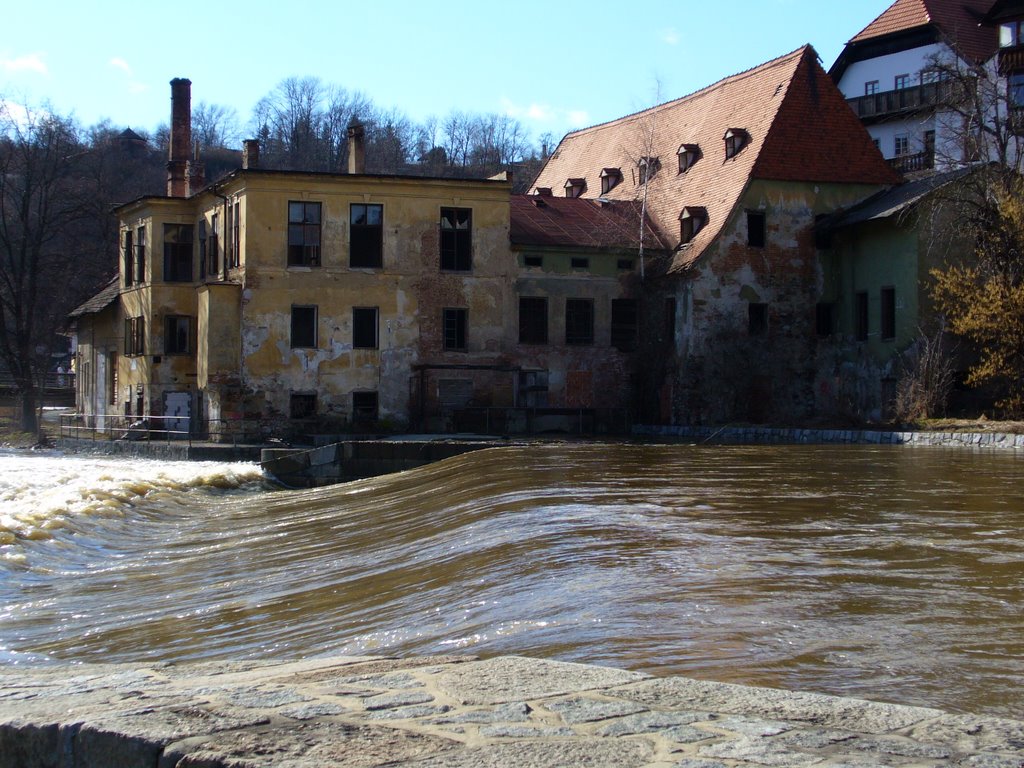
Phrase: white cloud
x=670 y=36
x=32 y=62
x=543 y=113
x=15 y=113
x=119 y=63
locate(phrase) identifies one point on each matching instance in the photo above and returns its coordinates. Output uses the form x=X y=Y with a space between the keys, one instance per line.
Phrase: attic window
x=688 y=155
x=575 y=187
x=735 y=140
x=647 y=167
x=544 y=191
x=691 y=221
x=610 y=178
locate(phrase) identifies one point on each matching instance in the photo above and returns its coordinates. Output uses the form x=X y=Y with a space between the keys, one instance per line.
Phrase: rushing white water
x=883 y=572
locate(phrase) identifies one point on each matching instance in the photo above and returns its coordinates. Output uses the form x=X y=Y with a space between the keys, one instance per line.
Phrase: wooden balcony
x=901 y=101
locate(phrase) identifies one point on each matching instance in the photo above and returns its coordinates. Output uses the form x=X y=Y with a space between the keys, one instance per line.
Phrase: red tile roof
x=956 y=20
x=577 y=221
x=800 y=129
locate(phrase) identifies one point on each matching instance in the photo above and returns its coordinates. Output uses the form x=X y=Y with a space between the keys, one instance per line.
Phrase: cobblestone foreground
x=459 y=711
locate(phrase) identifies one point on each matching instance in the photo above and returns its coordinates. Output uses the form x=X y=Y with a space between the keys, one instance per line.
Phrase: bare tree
x=45 y=207
x=215 y=126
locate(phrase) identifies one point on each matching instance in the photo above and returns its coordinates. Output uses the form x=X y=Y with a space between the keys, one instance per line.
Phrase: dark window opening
x=236 y=237
x=888 y=320
x=366 y=233
x=670 y=318
x=757 y=319
x=860 y=315
x=364 y=328
x=575 y=187
x=454 y=326
x=579 y=321
x=456 y=239
x=825 y=318
x=533 y=261
x=580 y=263
x=214 y=246
x=364 y=407
x=129 y=259
x=302 y=405
x=533 y=320
x=177 y=253
x=303 y=234
x=756 y=229
x=177 y=335
x=625 y=324
x=647 y=167
x=203 y=253
x=626 y=264
x=140 y=255
x=304 y=327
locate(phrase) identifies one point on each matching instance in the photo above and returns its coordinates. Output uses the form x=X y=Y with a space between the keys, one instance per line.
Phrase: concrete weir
x=459 y=711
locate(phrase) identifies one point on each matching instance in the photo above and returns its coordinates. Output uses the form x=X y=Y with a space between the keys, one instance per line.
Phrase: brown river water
x=890 y=573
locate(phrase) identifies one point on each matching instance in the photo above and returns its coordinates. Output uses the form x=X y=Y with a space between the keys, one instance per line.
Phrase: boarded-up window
x=454 y=393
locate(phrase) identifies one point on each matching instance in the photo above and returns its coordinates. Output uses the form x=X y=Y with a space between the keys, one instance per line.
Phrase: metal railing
x=915 y=97
x=167 y=429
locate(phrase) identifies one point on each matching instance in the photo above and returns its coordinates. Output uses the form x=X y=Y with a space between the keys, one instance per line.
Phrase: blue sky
x=553 y=64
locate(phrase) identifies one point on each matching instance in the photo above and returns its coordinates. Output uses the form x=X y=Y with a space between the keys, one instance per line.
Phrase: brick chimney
x=356 y=147
x=251 y=153
x=181 y=137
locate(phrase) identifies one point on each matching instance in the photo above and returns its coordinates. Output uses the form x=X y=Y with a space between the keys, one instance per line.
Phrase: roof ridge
x=795 y=54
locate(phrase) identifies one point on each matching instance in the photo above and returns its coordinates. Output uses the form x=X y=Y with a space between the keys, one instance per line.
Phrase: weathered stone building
x=734 y=177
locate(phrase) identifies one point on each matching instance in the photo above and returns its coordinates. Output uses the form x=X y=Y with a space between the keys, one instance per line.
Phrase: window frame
x=871 y=87
x=129 y=257
x=533 y=320
x=302 y=252
x=455 y=329
x=901 y=82
x=456 y=241
x=134 y=336
x=610 y=178
x=692 y=220
x=579 y=322
x=736 y=139
x=308 y=403
x=901 y=144
x=361 y=329
x=861 y=320
x=180 y=322
x=757 y=229
x=236 y=237
x=297 y=313
x=688 y=156
x=365 y=240
x=140 y=254
x=179 y=253
x=625 y=324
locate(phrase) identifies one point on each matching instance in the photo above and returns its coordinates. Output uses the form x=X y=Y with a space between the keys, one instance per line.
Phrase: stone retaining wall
x=765 y=435
x=460 y=711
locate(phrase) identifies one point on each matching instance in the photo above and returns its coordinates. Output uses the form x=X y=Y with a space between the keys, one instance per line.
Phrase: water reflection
x=889 y=573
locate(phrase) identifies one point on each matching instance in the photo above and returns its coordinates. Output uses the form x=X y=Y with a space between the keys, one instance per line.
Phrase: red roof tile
x=577 y=221
x=777 y=104
x=956 y=20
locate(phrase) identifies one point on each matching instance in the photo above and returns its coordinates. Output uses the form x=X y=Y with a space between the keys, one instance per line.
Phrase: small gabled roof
x=576 y=222
x=107 y=296
x=799 y=128
x=955 y=21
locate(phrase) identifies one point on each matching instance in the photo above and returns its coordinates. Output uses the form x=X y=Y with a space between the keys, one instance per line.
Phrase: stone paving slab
x=461 y=711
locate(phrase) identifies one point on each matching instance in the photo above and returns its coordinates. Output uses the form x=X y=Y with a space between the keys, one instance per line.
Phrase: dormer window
x=575 y=187
x=735 y=140
x=544 y=191
x=647 y=167
x=691 y=221
x=610 y=178
x=688 y=155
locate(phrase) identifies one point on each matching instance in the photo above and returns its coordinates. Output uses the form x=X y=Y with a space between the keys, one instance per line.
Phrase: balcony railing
x=922 y=161
x=914 y=98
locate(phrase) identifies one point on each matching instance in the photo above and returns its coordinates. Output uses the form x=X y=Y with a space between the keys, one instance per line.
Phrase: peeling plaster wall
x=725 y=373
